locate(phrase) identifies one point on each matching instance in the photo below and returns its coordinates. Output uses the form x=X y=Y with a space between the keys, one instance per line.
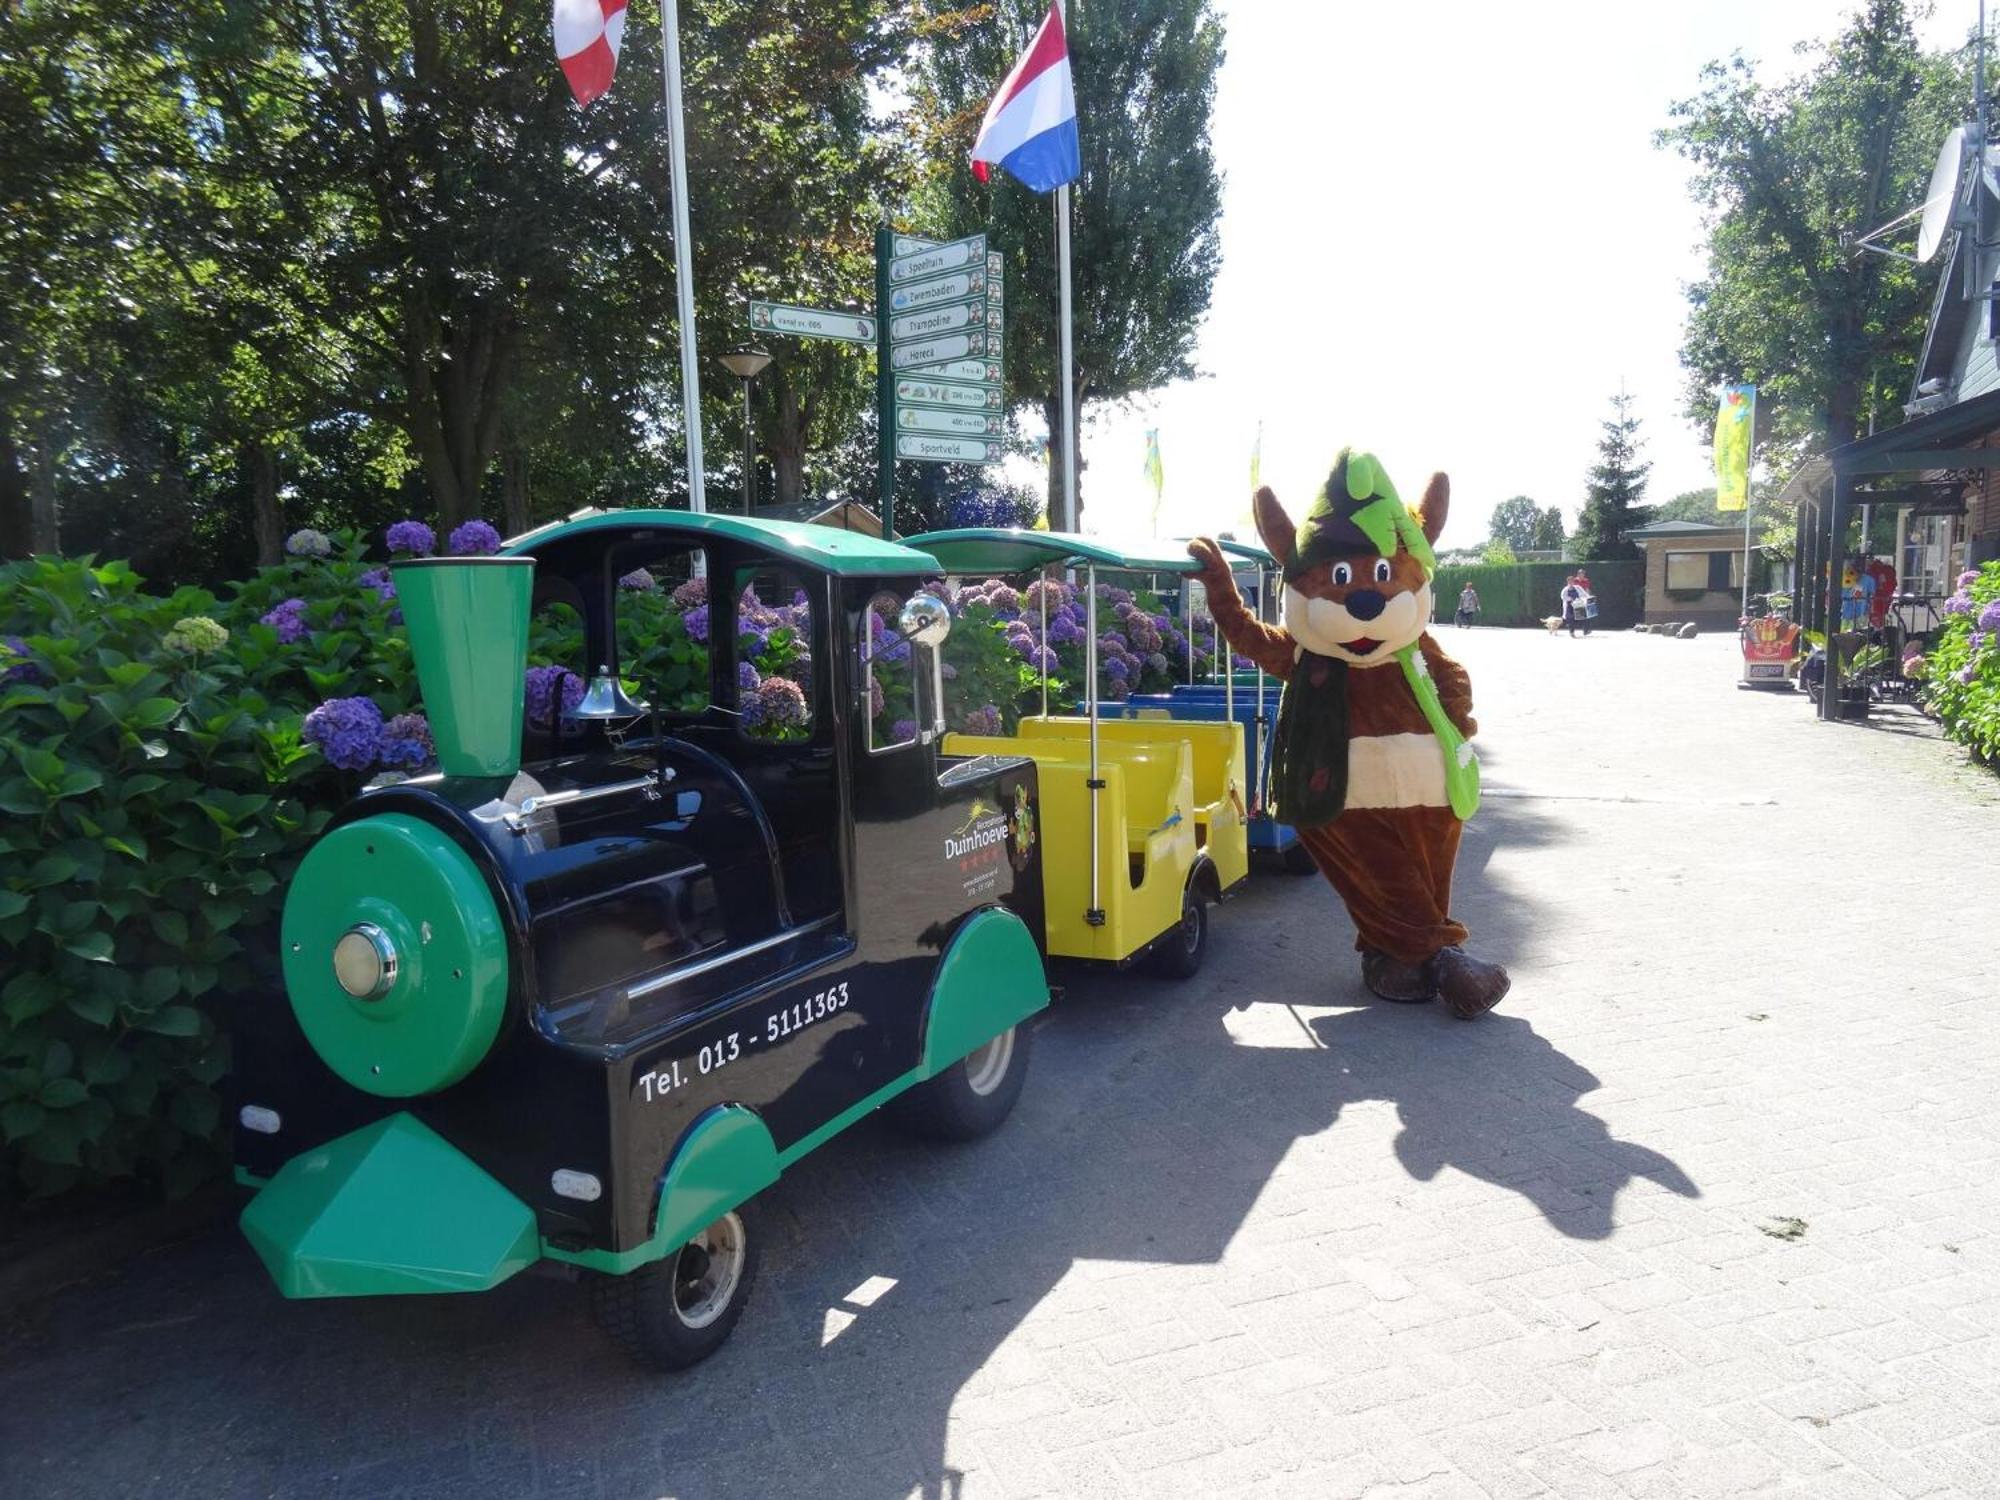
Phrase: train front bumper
x=390 y=1208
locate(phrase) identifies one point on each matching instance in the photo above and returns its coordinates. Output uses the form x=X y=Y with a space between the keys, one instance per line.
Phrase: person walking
x=1574 y=595
x=1468 y=606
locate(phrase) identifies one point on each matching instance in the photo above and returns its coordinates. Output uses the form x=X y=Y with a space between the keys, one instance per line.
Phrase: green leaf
x=140 y=785
x=95 y=946
x=19 y=795
x=63 y=1093
x=221 y=915
x=75 y=783
x=158 y=985
x=94 y=1006
x=134 y=846
x=28 y=995
x=13 y=903
x=53 y=869
x=171 y=926
x=173 y=1020
x=20 y=1117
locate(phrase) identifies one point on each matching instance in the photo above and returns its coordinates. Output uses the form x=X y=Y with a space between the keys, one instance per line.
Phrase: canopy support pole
x=1094 y=915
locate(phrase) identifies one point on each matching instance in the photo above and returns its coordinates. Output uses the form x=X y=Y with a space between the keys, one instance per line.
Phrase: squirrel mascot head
x=1358 y=571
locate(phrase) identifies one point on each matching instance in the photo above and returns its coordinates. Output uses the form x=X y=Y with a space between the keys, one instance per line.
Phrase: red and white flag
x=588 y=34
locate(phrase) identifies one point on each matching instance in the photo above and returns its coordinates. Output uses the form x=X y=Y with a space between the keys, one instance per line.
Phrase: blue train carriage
x=1145 y=818
x=574 y=1001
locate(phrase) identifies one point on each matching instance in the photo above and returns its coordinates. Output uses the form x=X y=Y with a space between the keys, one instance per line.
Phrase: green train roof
x=997 y=549
x=850 y=554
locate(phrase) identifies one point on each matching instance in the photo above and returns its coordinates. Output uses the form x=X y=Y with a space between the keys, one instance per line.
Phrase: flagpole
x=670 y=45
x=1066 y=364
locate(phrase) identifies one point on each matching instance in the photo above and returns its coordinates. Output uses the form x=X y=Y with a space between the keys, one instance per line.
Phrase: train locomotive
x=573 y=1001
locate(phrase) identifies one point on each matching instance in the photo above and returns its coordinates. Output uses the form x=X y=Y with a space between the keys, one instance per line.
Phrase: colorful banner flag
x=1156 y=473
x=1735 y=417
x=588 y=35
x=1030 y=127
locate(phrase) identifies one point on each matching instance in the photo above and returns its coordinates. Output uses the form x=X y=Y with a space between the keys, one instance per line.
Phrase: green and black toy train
x=578 y=1002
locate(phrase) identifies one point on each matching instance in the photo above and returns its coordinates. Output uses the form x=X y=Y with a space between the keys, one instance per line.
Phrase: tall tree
x=1790 y=173
x=1145 y=241
x=1613 y=499
x=1549 y=535
x=1514 y=522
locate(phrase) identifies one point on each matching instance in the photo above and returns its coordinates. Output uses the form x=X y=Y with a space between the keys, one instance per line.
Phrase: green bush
x=150 y=784
x=1962 y=668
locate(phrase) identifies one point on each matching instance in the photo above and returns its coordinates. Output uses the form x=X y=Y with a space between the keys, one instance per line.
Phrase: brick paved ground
x=1709 y=1209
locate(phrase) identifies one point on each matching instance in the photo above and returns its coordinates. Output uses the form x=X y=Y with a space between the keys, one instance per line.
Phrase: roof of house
x=1683 y=528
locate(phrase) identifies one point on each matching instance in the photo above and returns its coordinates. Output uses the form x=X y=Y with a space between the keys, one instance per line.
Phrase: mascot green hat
x=1358 y=511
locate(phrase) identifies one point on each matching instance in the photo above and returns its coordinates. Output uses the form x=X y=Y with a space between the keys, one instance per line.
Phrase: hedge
x=1527 y=593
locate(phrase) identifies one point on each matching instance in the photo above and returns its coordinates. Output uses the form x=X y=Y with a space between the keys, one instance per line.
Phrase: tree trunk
x=16 y=508
x=786 y=440
x=260 y=464
x=45 y=522
x=514 y=486
x=458 y=377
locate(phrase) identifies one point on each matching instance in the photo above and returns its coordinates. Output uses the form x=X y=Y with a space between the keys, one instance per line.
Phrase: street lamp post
x=747 y=365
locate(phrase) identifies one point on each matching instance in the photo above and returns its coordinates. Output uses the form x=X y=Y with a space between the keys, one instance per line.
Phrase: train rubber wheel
x=1179 y=954
x=1298 y=860
x=972 y=1096
x=677 y=1311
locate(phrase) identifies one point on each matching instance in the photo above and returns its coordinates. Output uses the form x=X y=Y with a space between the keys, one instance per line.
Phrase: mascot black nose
x=1365 y=604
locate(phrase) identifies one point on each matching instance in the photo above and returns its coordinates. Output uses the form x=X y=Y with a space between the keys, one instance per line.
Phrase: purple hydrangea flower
x=640 y=580
x=413 y=537
x=1117 y=669
x=985 y=720
x=1989 y=617
x=289 y=620
x=876 y=702
x=17 y=664
x=783 y=704
x=550 y=692
x=747 y=680
x=1976 y=640
x=1045 y=660
x=696 y=623
x=1157 y=662
x=378 y=579
x=1968 y=578
x=1242 y=663
x=902 y=731
x=691 y=593
x=406 y=742
x=347 y=731
x=473 y=538
x=949 y=671
x=1966 y=673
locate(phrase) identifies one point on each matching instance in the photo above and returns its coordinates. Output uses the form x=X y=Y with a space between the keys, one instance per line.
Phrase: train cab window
x=887 y=678
x=661 y=608
x=774 y=638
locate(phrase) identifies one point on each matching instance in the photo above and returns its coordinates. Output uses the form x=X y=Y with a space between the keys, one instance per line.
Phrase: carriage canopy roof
x=850 y=554
x=996 y=549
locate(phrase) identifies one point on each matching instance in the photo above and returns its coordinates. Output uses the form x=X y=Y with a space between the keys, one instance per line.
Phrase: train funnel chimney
x=468 y=624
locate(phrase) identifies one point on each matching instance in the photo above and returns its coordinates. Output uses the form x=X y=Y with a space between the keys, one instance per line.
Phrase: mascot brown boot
x=1371 y=760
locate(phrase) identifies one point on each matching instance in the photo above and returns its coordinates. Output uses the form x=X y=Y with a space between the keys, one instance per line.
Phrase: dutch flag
x=1030 y=127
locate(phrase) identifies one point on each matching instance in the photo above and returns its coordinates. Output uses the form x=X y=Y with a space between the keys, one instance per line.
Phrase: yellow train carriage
x=1144 y=819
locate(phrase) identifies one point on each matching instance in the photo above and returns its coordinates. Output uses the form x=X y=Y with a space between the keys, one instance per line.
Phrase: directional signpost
x=812 y=322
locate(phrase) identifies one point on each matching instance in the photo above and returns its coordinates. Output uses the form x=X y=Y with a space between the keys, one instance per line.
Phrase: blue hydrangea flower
x=638 y=580
x=903 y=730
x=549 y=693
x=696 y=623
x=289 y=620
x=406 y=742
x=1989 y=617
x=17 y=664
x=347 y=731
x=1116 y=669
x=473 y=538
x=747 y=680
x=413 y=537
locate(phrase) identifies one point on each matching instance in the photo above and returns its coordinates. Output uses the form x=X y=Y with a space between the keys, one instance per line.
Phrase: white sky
x=1446 y=237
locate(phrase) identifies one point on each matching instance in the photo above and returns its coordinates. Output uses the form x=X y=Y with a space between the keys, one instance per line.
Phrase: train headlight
x=364 y=961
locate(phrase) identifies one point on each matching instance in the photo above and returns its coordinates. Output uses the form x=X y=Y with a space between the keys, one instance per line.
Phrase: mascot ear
x=1275 y=527
x=1435 y=507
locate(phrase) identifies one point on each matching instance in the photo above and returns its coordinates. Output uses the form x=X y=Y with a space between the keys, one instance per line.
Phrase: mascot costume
x=1371 y=761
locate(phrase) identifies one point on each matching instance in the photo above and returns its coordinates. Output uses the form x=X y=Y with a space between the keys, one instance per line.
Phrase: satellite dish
x=1943 y=194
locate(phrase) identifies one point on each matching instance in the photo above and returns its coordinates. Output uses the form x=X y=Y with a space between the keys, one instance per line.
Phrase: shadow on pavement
x=872 y=1353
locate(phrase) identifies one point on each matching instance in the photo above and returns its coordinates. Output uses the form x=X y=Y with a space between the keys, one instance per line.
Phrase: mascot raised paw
x=1371 y=762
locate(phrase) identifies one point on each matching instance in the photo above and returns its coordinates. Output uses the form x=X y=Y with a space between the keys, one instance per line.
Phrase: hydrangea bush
x=1961 y=672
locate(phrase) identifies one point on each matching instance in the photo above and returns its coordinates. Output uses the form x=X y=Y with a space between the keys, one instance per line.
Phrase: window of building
x=1702 y=572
